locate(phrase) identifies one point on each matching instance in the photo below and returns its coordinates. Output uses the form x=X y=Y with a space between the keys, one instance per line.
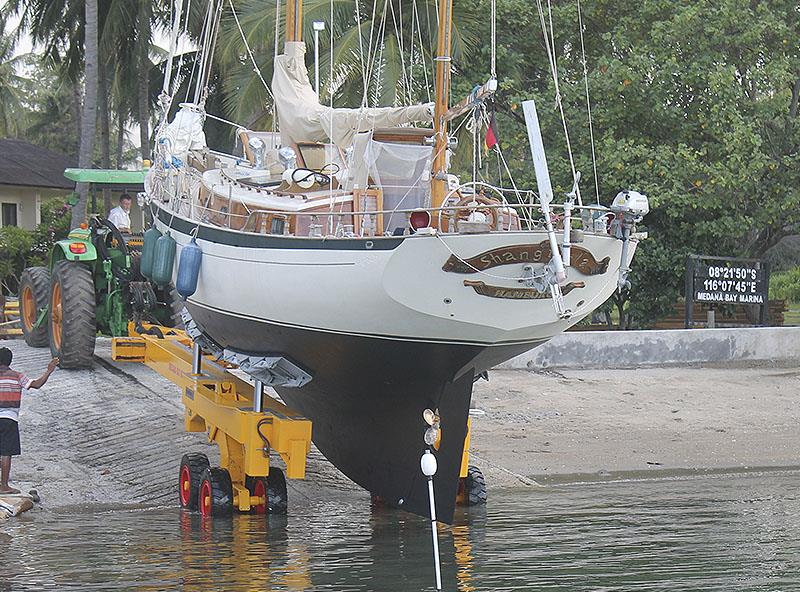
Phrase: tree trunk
x=105 y=131
x=120 y=139
x=89 y=117
x=144 y=65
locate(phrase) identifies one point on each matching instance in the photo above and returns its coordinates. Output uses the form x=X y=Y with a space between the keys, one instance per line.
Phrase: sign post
x=726 y=280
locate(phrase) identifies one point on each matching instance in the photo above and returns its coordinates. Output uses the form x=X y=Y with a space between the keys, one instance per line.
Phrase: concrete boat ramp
x=113 y=435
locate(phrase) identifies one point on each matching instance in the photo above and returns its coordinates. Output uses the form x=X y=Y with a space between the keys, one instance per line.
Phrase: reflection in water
x=727 y=534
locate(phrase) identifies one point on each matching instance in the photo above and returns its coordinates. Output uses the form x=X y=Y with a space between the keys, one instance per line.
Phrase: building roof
x=22 y=163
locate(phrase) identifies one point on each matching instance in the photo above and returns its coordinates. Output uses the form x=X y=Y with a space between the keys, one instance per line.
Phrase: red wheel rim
x=185 y=486
x=205 y=499
x=260 y=490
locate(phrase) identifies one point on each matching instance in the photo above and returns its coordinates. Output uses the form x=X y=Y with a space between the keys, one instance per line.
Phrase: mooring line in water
x=522 y=478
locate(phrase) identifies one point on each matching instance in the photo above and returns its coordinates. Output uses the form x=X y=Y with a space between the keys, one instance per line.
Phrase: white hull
x=395 y=293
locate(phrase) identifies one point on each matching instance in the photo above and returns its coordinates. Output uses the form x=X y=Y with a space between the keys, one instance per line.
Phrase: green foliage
x=694 y=104
x=785 y=285
x=20 y=248
x=15 y=246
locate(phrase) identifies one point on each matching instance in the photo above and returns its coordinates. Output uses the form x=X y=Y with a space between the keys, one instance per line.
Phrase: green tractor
x=92 y=284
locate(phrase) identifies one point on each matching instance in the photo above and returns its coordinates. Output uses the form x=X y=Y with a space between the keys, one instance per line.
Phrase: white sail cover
x=184 y=133
x=303 y=119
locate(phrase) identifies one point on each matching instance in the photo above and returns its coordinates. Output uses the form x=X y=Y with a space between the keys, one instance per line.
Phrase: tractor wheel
x=216 y=493
x=72 y=314
x=192 y=467
x=472 y=488
x=34 y=292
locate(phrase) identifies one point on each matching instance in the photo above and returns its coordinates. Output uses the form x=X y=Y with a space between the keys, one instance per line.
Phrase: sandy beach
x=114 y=434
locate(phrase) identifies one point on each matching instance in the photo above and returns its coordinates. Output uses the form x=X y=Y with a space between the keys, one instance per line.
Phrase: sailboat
x=344 y=265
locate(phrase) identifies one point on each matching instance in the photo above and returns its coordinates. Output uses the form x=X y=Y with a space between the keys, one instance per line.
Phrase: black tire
x=37 y=281
x=275 y=487
x=474 y=487
x=75 y=347
x=176 y=306
x=194 y=464
x=218 y=482
x=277 y=495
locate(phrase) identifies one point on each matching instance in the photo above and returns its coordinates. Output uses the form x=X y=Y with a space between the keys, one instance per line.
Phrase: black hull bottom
x=366 y=400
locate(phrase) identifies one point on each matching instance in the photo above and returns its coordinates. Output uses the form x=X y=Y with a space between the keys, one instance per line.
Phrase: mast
x=439 y=169
x=294 y=20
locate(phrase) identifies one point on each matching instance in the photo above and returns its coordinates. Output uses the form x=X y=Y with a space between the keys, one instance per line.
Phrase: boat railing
x=469 y=217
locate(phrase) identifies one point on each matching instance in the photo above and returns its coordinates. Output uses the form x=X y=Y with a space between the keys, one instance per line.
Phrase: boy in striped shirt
x=12 y=384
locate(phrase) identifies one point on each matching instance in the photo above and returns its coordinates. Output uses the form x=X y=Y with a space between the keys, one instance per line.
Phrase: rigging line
x=367 y=74
x=411 y=50
x=250 y=53
x=378 y=57
x=494 y=40
x=275 y=57
x=184 y=35
x=551 y=56
x=422 y=49
x=360 y=40
x=402 y=51
x=197 y=55
x=588 y=104
x=223 y=120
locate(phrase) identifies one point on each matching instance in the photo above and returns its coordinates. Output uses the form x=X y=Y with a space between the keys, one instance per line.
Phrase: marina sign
x=726 y=280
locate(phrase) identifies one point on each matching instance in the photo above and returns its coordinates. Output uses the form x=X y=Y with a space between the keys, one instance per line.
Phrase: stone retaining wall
x=625 y=349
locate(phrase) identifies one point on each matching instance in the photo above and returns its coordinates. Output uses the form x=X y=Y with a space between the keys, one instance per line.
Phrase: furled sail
x=303 y=119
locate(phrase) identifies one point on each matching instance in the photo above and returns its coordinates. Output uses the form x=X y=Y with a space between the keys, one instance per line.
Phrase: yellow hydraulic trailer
x=9 y=325
x=245 y=423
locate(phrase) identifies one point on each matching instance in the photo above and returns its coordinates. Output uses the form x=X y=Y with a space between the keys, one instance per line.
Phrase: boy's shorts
x=9 y=437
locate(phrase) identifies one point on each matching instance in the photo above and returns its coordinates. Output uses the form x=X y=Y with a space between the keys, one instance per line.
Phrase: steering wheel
x=464 y=207
x=104 y=243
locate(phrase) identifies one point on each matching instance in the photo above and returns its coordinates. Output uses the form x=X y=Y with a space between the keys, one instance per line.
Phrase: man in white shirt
x=121 y=215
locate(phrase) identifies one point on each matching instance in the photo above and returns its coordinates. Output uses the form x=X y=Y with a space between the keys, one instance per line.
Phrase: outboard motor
x=630 y=207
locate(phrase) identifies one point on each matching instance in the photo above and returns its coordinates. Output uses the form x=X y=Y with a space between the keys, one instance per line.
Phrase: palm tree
x=89 y=117
x=11 y=85
x=380 y=61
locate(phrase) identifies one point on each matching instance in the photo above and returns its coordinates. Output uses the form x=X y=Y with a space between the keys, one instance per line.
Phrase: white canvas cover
x=403 y=171
x=303 y=119
x=184 y=133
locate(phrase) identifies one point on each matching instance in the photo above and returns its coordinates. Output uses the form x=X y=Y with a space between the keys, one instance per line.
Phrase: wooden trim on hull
x=235 y=238
x=366 y=400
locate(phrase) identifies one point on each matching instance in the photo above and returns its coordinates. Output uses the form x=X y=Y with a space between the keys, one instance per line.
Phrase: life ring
x=463 y=211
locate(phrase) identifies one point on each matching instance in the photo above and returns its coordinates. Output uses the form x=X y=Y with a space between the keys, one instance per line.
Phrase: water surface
x=725 y=533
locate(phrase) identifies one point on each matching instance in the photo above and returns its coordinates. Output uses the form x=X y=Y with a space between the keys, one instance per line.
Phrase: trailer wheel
x=192 y=467
x=472 y=488
x=258 y=486
x=72 y=314
x=34 y=292
x=216 y=493
x=277 y=495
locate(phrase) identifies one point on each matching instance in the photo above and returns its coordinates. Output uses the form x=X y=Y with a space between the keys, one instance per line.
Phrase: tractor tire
x=72 y=325
x=192 y=467
x=216 y=493
x=34 y=294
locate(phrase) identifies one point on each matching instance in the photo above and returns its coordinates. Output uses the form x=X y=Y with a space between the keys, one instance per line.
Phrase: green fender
x=62 y=250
